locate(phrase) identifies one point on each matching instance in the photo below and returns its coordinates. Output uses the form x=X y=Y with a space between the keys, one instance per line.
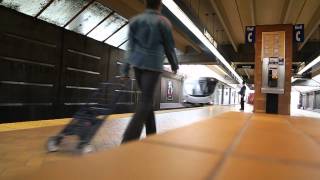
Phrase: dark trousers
x=147 y=81
x=242 y=103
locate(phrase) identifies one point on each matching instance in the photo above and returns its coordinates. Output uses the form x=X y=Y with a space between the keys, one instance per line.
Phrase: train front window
x=197 y=88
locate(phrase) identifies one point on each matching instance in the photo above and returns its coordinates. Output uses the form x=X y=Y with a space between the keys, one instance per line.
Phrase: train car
x=310 y=100
x=199 y=91
x=226 y=95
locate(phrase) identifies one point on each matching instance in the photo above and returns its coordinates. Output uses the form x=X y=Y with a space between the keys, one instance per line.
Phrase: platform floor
x=22 y=145
x=201 y=143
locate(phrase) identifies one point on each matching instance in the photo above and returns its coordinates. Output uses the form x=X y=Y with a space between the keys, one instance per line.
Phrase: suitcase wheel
x=86 y=149
x=52 y=144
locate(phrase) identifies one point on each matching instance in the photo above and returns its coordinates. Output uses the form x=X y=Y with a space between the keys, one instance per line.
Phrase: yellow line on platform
x=61 y=122
x=47 y=123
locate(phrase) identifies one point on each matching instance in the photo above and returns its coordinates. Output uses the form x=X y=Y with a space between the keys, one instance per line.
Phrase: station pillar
x=273 y=41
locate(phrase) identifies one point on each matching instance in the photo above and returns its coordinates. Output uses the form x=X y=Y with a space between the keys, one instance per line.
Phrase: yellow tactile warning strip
x=32 y=124
x=47 y=123
x=232 y=145
x=59 y=122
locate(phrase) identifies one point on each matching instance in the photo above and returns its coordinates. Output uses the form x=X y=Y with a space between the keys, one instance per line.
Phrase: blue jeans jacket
x=150 y=39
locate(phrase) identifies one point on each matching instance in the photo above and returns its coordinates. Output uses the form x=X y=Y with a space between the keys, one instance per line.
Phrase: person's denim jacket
x=150 y=38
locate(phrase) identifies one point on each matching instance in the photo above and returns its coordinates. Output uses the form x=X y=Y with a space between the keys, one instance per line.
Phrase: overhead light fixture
x=221 y=70
x=293 y=79
x=308 y=66
x=174 y=9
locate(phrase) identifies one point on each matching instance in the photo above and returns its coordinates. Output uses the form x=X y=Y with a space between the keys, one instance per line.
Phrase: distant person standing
x=150 y=38
x=242 y=94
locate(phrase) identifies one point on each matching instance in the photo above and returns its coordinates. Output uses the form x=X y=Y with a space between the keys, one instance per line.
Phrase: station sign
x=245 y=66
x=298 y=33
x=250 y=34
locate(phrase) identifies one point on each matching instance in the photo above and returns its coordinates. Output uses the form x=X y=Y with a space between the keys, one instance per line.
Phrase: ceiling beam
x=315 y=73
x=253 y=12
x=313 y=25
x=197 y=59
x=44 y=8
x=78 y=13
x=246 y=72
x=300 y=12
x=223 y=22
x=286 y=11
x=180 y=36
x=239 y=15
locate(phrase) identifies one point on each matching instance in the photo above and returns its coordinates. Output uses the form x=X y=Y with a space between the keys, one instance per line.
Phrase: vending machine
x=273 y=75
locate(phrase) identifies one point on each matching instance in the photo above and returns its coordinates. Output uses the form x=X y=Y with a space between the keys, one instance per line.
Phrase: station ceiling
x=224 y=20
x=236 y=14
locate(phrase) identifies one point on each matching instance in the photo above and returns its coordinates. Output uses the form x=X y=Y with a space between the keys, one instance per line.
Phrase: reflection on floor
x=230 y=145
x=24 y=151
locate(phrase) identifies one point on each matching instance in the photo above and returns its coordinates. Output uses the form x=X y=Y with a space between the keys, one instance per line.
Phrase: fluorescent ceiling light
x=293 y=79
x=220 y=69
x=314 y=62
x=317 y=78
x=174 y=8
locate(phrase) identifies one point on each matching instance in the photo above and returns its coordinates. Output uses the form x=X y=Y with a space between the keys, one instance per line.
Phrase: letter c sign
x=250 y=34
x=298 y=32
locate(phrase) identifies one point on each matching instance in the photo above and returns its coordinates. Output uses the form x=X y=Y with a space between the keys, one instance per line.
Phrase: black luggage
x=86 y=122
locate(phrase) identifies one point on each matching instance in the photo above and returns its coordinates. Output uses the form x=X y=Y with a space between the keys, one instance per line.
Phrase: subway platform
x=201 y=143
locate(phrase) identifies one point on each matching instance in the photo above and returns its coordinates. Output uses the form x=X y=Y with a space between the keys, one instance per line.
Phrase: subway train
x=310 y=100
x=199 y=91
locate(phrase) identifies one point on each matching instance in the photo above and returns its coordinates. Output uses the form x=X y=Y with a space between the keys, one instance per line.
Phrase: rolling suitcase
x=86 y=121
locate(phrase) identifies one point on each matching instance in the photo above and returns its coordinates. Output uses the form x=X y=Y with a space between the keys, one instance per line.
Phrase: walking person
x=242 y=94
x=150 y=38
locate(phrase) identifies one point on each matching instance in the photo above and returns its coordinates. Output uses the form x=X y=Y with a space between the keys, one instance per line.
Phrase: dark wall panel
x=130 y=99
x=16 y=93
x=82 y=79
x=27 y=72
x=16 y=113
x=84 y=66
x=46 y=71
x=72 y=95
x=30 y=52
x=24 y=47
x=79 y=60
x=116 y=55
